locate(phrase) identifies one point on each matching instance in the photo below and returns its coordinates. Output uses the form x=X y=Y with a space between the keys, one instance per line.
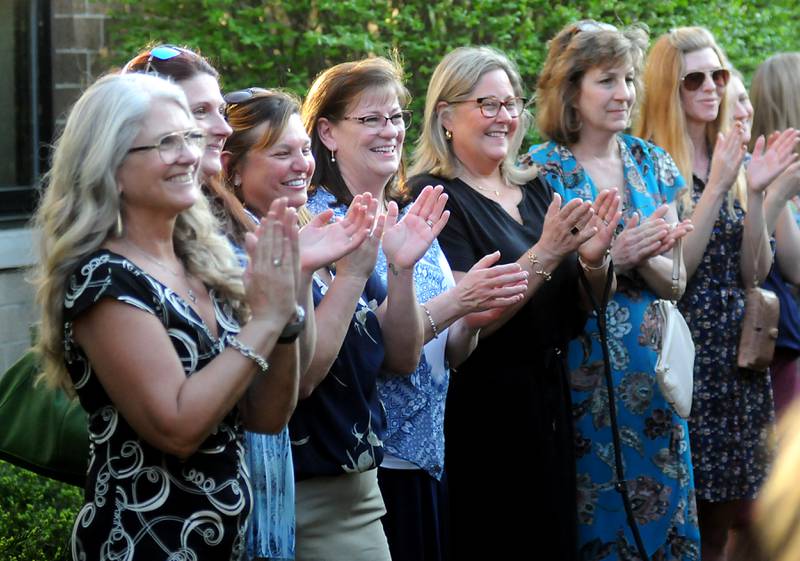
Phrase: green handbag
x=42 y=429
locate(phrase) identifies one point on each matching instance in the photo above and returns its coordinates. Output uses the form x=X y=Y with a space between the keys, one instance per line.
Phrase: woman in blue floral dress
x=585 y=94
x=732 y=411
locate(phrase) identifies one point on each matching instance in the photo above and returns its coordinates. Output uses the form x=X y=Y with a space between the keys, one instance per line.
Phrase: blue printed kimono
x=655 y=440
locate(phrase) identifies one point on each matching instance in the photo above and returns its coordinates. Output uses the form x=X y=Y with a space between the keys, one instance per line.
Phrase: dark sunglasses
x=242 y=96
x=160 y=52
x=693 y=80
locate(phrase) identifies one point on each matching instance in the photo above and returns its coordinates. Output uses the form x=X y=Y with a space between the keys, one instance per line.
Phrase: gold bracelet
x=430 y=319
x=248 y=352
x=606 y=257
x=540 y=271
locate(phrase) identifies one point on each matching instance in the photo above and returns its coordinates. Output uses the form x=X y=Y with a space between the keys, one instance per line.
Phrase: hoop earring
x=333 y=156
x=448 y=135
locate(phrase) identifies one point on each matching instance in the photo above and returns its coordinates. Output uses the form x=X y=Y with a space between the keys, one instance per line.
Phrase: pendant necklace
x=189 y=291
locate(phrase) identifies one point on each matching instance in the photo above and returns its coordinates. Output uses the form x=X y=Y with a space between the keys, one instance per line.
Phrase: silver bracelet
x=262 y=363
x=430 y=319
x=587 y=267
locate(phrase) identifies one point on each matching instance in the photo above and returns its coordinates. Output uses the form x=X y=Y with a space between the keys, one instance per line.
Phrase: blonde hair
x=81 y=206
x=777 y=510
x=775 y=95
x=575 y=50
x=453 y=80
x=661 y=116
x=331 y=95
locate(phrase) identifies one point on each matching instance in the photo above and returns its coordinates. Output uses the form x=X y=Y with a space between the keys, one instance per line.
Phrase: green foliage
x=287 y=43
x=36 y=515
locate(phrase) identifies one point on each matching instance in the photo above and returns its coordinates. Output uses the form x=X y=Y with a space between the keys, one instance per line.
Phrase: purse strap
x=677 y=256
x=621 y=485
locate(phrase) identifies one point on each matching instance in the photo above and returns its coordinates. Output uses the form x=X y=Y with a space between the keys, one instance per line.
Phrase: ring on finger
x=575 y=231
x=429 y=223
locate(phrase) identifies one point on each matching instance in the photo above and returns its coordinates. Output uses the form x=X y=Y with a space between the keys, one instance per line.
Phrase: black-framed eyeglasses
x=170 y=146
x=401 y=120
x=693 y=80
x=490 y=105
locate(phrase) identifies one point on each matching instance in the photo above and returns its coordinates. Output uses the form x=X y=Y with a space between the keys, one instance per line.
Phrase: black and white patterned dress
x=142 y=503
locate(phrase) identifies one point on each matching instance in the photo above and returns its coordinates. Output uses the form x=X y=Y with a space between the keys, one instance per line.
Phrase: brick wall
x=78 y=39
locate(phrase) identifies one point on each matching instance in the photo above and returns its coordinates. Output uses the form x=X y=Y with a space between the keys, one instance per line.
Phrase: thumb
x=486 y=261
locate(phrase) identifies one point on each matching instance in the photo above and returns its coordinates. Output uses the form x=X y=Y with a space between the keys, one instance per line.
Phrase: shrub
x=36 y=515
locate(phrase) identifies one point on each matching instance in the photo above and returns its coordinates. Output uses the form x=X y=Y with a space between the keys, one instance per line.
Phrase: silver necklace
x=189 y=292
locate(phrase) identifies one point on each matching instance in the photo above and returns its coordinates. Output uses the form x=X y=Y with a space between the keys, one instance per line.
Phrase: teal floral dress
x=655 y=440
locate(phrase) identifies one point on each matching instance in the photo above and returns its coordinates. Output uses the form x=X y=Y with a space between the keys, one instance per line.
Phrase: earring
x=118 y=228
x=448 y=135
x=333 y=156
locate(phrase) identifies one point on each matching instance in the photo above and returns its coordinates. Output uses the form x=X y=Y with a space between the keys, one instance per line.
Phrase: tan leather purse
x=759 y=329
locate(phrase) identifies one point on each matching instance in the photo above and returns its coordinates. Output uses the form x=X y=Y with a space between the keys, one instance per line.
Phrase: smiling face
x=368 y=156
x=702 y=105
x=606 y=98
x=207 y=106
x=482 y=143
x=145 y=181
x=741 y=108
x=281 y=170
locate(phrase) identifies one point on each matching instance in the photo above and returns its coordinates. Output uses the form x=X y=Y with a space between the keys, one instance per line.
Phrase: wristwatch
x=292 y=329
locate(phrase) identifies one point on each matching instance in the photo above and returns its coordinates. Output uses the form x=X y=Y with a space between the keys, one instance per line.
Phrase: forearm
x=787 y=246
x=597 y=277
x=657 y=274
x=756 y=253
x=270 y=400
x=461 y=341
x=308 y=338
x=704 y=216
x=445 y=310
x=402 y=323
x=333 y=317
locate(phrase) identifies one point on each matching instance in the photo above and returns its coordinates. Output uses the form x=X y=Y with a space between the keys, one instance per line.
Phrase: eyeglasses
x=160 y=52
x=693 y=80
x=490 y=106
x=401 y=120
x=171 y=146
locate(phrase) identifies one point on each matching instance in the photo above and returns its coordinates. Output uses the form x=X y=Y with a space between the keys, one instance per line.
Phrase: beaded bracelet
x=540 y=271
x=430 y=319
x=262 y=363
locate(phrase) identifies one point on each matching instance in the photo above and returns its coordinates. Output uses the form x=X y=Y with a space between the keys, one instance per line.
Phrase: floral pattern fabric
x=732 y=409
x=655 y=440
x=142 y=503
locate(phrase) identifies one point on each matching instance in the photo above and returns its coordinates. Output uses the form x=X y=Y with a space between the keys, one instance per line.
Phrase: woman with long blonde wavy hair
x=685 y=112
x=141 y=304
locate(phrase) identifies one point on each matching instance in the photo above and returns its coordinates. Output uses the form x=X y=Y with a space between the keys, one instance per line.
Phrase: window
x=26 y=99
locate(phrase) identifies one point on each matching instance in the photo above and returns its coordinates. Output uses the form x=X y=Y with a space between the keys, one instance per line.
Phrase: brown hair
x=575 y=50
x=273 y=107
x=775 y=95
x=332 y=93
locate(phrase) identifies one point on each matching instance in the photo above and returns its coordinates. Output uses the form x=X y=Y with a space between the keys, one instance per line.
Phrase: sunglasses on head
x=160 y=52
x=242 y=96
x=693 y=80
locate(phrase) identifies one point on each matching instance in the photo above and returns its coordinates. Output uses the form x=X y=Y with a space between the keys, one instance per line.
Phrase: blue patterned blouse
x=414 y=404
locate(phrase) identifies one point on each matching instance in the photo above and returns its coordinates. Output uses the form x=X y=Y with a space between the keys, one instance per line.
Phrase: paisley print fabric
x=655 y=440
x=141 y=503
x=732 y=409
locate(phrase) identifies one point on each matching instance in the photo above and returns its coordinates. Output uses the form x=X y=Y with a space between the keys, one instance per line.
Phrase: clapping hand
x=605 y=220
x=640 y=241
x=360 y=261
x=727 y=158
x=566 y=228
x=270 y=278
x=407 y=240
x=771 y=158
x=323 y=241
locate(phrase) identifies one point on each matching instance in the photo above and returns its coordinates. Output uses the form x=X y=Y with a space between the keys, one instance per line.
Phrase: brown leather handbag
x=759 y=329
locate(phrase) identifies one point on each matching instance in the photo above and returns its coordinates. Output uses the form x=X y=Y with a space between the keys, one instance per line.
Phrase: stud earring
x=448 y=135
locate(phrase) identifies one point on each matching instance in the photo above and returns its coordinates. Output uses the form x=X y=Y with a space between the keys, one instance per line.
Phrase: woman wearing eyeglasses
x=586 y=94
x=509 y=400
x=685 y=112
x=268 y=455
x=141 y=305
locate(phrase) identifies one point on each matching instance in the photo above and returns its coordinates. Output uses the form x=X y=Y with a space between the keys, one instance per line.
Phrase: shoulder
x=320 y=200
x=543 y=153
x=105 y=274
x=644 y=149
x=418 y=182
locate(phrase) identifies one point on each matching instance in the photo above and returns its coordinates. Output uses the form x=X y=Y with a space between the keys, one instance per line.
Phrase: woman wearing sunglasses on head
x=510 y=395
x=268 y=157
x=586 y=93
x=141 y=304
x=269 y=456
x=685 y=112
